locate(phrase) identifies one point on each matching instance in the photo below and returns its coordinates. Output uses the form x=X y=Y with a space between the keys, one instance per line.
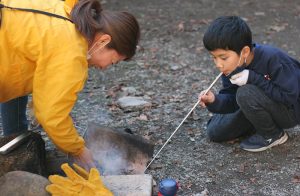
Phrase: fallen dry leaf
x=191 y=132
x=143 y=117
x=147 y=137
x=159 y=142
x=242 y=168
x=273 y=167
x=180 y=27
x=278 y=28
x=233 y=141
x=156 y=166
x=113 y=90
x=188 y=185
x=253 y=180
x=296 y=179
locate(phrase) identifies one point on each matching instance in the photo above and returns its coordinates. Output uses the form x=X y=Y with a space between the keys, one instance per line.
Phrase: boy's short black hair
x=228 y=33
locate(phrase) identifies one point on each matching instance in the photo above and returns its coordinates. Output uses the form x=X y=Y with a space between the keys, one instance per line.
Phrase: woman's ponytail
x=86 y=15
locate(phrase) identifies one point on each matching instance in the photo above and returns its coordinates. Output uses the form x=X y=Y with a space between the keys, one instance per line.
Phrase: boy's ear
x=246 y=52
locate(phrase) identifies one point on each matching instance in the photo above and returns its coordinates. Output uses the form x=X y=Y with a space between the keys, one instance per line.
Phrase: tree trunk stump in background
x=29 y=156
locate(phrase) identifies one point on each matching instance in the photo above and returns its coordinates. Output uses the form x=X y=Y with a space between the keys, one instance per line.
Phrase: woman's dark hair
x=89 y=19
x=228 y=33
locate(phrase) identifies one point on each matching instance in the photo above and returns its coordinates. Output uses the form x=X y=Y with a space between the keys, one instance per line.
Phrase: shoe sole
x=281 y=140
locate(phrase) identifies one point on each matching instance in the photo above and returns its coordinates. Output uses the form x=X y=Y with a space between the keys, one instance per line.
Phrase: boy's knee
x=213 y=134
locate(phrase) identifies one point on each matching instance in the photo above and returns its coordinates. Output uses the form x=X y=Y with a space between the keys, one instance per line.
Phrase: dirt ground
x=169 y=70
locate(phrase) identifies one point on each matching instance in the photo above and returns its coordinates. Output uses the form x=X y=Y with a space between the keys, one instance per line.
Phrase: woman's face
x=105 y=57
x=100 y=56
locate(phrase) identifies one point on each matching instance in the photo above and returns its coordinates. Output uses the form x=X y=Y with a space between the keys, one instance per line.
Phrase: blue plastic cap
x=168 y=187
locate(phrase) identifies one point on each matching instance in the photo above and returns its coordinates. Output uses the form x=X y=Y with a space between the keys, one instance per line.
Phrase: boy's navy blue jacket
x=273 y=71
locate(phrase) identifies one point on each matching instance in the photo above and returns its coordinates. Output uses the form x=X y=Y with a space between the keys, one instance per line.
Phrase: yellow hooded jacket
x=45 y=56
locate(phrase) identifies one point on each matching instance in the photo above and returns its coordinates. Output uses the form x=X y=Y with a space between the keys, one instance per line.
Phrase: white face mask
x=90 y=52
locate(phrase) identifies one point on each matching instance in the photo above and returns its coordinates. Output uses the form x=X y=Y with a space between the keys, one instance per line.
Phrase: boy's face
x=226 y=60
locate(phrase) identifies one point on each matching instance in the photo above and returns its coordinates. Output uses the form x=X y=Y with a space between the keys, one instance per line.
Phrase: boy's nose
x=219 y=65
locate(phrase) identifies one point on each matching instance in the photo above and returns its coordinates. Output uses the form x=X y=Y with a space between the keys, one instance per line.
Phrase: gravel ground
x=169 y=70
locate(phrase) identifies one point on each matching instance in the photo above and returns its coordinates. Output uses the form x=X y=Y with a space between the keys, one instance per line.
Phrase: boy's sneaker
x=257 y=143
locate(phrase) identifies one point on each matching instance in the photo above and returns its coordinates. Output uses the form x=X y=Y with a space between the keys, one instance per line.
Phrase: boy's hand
x=207 y=98
x=241 y=78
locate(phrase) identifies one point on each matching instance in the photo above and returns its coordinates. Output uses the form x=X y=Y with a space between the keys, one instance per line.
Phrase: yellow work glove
x=82 y=172
x=76 y=185
x=93 y=177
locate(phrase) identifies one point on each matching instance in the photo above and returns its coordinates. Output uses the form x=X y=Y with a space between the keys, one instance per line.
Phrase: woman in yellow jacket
x=48 y=54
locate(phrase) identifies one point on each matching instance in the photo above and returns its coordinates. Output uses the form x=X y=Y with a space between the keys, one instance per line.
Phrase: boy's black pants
x=257 y=114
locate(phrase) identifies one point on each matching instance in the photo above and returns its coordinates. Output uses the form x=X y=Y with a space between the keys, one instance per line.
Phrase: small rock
x=150 y=93
x=208 y=180
x=192 y=139
x=259 y=13
x=132 y=103
x=203 y=193
x=129 y=90
x=175 y=67
x=143 y=117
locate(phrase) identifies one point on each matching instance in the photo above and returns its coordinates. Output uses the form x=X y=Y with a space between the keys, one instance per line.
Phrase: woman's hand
x=85 y=159
x=205 y=99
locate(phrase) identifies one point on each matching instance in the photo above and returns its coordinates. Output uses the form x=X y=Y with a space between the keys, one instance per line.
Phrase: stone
x=129 y=185
x=22 y=183
x=129 y=90
x=175 y=67
x=132 y=103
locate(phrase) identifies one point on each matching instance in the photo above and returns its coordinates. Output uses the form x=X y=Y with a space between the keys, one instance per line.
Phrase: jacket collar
x=68 y=6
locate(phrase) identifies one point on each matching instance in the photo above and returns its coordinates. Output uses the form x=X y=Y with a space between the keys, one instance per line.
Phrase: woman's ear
x=102 y=39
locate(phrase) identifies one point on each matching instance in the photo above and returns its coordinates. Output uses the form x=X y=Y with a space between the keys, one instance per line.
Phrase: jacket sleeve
x=225 y=100
x=60 y=74
x=281 y=84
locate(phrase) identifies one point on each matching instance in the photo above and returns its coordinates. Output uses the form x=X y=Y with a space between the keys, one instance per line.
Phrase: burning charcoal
x=127 y=130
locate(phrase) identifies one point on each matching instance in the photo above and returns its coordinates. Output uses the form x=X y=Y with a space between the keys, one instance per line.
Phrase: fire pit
x=118 y=152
